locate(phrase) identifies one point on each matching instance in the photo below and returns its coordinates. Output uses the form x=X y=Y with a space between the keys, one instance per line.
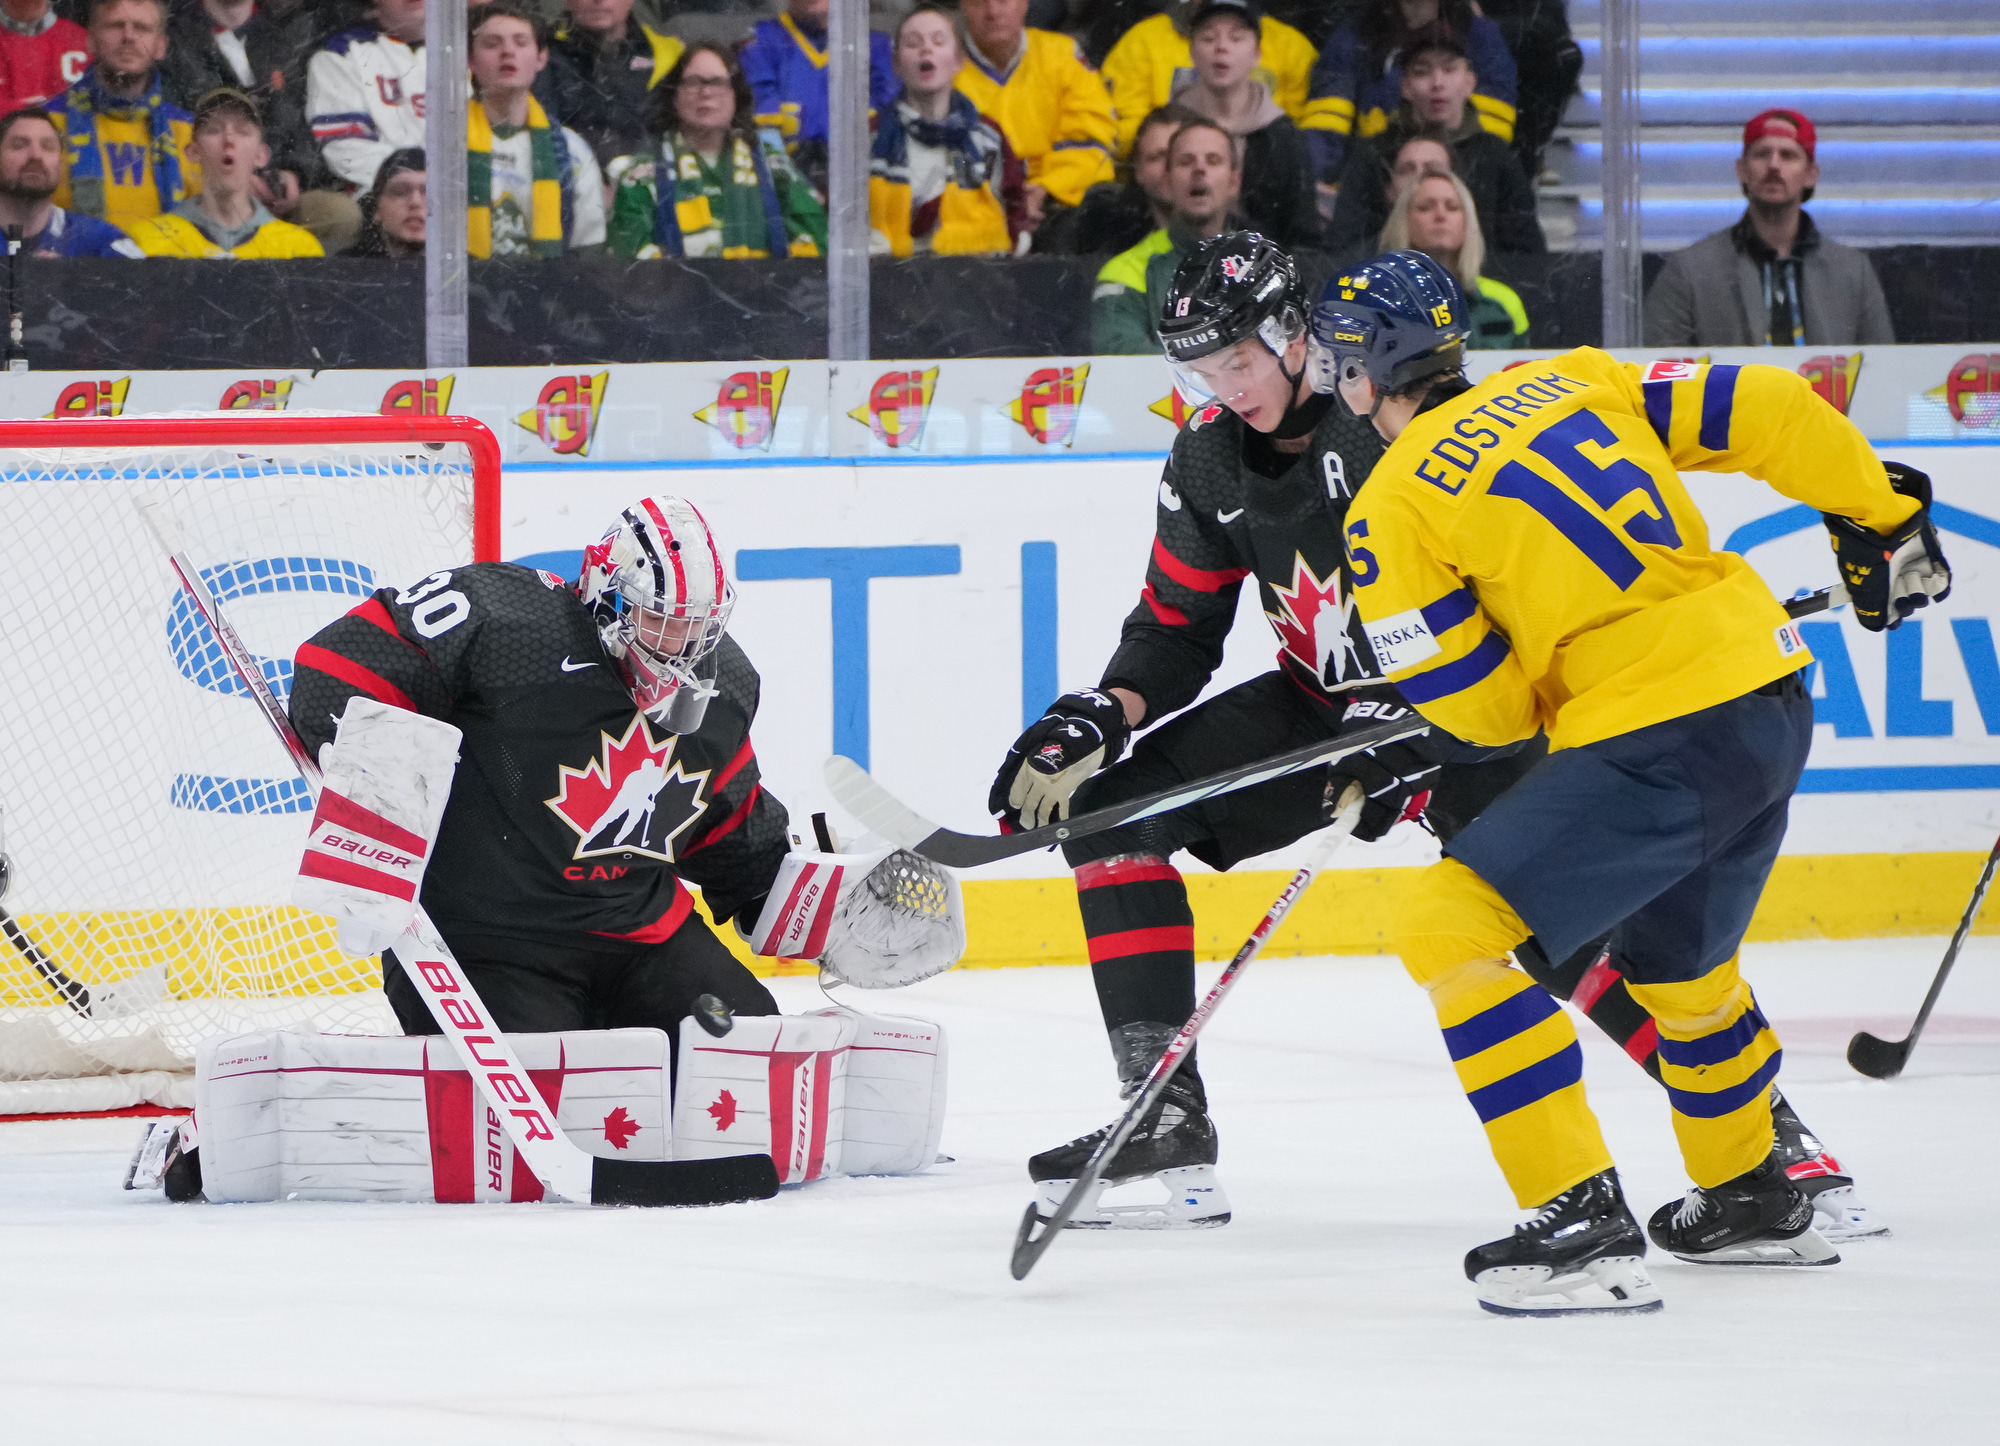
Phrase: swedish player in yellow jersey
x=1526 y=558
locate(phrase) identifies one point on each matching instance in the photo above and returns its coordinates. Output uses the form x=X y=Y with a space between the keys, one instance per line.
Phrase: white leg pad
x=292 y=1116
x=829 y=1093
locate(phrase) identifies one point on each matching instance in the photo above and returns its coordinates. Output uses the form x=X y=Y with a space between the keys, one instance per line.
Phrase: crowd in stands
x=1127 y=129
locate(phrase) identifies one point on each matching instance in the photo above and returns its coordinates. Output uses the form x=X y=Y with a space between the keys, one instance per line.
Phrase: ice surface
x=880 y=1311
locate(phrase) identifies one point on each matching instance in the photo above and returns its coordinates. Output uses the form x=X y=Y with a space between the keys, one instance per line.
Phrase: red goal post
x=151 y=822
x=289 y=429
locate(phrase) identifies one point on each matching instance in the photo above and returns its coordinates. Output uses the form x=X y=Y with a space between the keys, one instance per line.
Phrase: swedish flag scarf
x=84 y=102
x=545 y=223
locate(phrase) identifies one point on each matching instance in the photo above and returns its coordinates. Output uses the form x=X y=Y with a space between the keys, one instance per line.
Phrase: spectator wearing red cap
x=1772 y=279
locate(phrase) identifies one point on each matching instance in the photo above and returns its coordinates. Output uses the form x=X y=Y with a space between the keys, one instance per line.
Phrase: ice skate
x=1838 y=1212
x=1174 y=1145
x=1580 y=1254
x=1759 y=1218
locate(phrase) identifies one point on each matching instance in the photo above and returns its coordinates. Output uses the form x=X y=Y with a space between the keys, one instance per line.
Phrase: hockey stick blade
x=875 y=807
x=727 y=1181
x=1884 y=1059
x=1030 y=1247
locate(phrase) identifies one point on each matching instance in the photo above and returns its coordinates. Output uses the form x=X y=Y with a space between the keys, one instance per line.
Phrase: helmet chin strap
x=1292 y=425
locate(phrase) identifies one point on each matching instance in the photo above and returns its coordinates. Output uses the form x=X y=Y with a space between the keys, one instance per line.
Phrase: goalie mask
x=657 y=590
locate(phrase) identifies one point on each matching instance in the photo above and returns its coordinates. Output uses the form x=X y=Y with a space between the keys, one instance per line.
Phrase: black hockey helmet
x=1397 y=319
x=1228 y=288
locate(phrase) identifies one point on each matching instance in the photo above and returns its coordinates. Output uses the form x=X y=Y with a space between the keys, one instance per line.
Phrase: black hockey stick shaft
x=75 y=995
x=1884 y=1059
x=1030 y=1247
x=559 y=1163
x=877 y=810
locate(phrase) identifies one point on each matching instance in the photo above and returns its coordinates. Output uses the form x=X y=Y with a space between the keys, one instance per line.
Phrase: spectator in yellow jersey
x=941 y=176
x=1435 y=214
x=1151 y=61
x=1527 y=559
x=226 y=219
x=126 y=142
x=1049 y=103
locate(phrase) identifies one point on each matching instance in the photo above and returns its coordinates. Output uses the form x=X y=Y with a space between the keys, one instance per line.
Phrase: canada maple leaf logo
x=619 y=1128
x=724 y=1110
x=1314 y=624
x=633 y=799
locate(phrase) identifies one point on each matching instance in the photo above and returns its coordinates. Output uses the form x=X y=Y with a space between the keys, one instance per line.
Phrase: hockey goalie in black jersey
x=605 y=764
x=1257 y=488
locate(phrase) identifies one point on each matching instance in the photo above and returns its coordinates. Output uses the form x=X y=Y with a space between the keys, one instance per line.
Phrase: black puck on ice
x=713 y=1015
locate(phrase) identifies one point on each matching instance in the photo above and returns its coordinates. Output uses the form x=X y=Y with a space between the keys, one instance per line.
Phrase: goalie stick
x=1030 y=1247
x=1884 y=1059
x=881 y=812
x=511 y=1095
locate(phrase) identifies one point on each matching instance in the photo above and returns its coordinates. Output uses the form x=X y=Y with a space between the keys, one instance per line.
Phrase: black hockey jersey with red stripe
x=571 y=816
x=1219 y=521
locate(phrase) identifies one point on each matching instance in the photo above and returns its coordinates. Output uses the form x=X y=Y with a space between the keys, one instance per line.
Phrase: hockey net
x=151 y=820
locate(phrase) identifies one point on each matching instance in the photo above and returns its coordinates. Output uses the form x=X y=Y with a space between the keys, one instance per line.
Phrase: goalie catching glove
x=876 y=921
x=386 y=778
x=1080 y=733
x=1890 y=576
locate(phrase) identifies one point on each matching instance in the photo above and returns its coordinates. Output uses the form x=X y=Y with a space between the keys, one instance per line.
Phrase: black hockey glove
x=1890 y=577
x=1396 y=779
x=1081 y=733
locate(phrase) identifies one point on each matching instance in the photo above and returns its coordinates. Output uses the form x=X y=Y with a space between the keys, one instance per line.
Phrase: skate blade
x=1194 y=1201
x=1839 y=1216
x=1808 y=1247
x=1612 y=1285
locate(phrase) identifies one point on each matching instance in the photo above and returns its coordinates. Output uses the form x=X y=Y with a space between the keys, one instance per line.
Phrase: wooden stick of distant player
x=510 y=1094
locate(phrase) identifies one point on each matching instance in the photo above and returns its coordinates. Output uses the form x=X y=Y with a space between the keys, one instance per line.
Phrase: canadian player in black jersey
x=1257 y=487
x=605 y=764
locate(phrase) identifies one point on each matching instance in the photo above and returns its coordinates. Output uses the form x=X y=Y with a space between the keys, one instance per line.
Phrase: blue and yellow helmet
x=1397 y=319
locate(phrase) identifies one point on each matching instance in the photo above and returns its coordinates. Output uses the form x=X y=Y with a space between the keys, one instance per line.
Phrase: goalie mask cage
x=152 y=821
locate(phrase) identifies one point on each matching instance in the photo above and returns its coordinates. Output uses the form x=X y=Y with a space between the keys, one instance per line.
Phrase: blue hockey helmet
x=1397 y=319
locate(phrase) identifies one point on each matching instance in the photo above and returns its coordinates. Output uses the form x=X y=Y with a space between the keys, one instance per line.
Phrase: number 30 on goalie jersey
x=1526 y=556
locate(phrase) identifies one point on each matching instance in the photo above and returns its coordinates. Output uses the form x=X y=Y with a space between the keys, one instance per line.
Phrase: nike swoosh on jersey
x=569 y=667
x=1169 y=499
x=1225 y=518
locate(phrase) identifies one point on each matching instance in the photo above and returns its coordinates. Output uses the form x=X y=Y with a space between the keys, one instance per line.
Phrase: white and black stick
x=1883 y=1059
x=507 y=1089
x=1030 y=1247
x=75 y=995
x=881 y=812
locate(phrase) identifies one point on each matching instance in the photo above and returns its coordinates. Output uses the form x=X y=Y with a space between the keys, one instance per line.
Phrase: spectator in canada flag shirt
x=41 y=54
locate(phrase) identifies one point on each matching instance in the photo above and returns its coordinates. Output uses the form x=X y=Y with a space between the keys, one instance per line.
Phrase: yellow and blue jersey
x=1526 y=556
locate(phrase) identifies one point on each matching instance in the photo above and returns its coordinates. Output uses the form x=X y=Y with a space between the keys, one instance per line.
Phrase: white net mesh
x=152 y=820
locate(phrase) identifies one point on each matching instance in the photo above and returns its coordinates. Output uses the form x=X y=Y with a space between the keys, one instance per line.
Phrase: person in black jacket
x=1224 y=37
x=1437 y=85
x=260 y=50
x=602 y=64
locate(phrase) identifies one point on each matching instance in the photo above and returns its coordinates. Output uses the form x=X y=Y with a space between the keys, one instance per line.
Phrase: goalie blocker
x=293 y=1116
